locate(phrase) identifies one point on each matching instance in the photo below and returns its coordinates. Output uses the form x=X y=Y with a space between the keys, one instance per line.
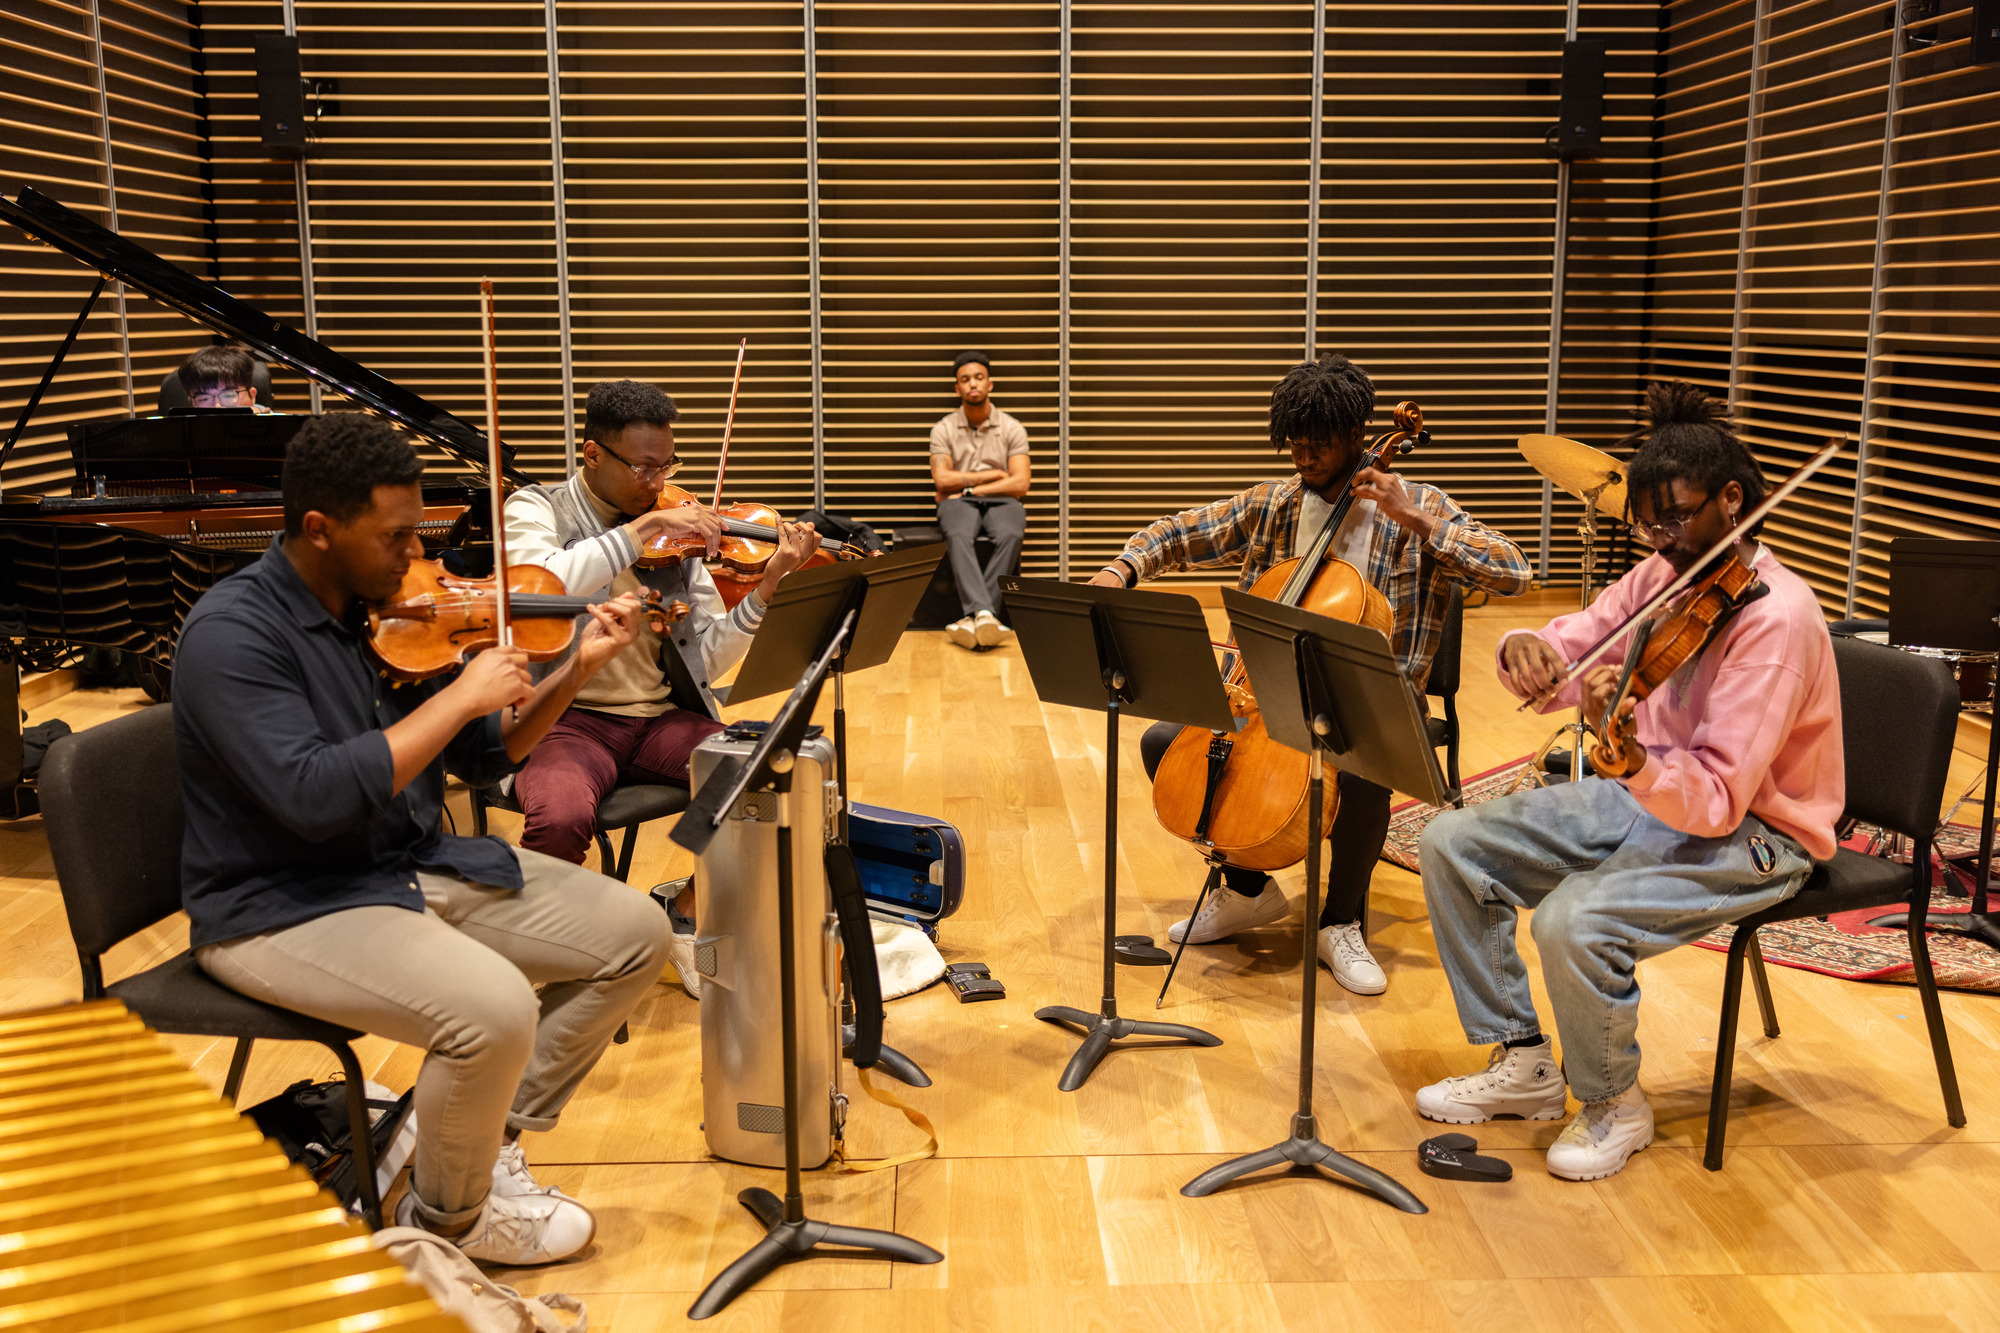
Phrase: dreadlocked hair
x=1323 y=400
x=1686 y=435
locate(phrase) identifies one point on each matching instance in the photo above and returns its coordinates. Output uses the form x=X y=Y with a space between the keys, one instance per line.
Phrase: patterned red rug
x=1844 y=945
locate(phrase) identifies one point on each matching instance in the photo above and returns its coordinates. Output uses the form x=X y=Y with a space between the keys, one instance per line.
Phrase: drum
x=1974 y=672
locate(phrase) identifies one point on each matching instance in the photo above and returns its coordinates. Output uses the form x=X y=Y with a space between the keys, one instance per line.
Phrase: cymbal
x=1577 y=469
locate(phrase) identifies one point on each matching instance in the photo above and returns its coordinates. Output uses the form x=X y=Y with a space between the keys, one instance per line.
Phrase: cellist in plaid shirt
x=1407 y=538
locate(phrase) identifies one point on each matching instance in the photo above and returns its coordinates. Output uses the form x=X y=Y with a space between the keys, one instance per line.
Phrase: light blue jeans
x=1611 y=885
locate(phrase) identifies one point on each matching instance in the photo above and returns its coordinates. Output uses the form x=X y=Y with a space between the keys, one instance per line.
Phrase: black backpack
x=309 y=1122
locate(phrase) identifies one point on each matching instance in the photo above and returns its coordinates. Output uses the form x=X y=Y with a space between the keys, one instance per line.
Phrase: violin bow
x=503 y=616
x=1673 y=589
x=729 y=424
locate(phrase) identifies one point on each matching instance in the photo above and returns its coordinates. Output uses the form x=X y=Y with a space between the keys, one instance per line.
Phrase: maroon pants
x=584 y=756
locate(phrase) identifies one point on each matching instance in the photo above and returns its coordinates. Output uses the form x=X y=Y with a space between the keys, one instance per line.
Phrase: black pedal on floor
x=1451 y=1157
x=1139 y=951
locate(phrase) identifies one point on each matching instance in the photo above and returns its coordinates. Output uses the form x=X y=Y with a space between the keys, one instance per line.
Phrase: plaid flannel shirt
x=1259 y=528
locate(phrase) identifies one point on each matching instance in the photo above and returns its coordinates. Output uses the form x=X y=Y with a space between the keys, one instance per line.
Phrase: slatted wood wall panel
x=1934 y=422
x=256 y=248
x=1609 y=272
x=1438 y=231
x=51 y=138
x=433 y=173
x=1810 y=197
x=939 y=180
x=685 y=170
x=1189 y=226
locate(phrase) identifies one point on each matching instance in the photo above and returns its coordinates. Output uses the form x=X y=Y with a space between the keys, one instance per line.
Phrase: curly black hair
x=335 y=463
x=1327 y=399
x=616 y=404
x=1687 y=435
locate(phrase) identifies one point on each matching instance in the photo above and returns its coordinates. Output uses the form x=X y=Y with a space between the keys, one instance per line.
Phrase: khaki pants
x=459 y=981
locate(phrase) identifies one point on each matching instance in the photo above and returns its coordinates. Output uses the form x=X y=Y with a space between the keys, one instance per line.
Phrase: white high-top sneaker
x=1602 y=1137
x=1525 y=1081
x=517 y=1229
x=512 y=1176
x=1226 y=911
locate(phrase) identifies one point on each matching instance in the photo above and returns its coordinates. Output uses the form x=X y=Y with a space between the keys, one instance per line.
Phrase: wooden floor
x=1846 y=1201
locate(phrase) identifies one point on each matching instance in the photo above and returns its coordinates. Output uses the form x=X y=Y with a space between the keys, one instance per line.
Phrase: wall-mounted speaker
x=281 y=99
x=1985 y=32
x=1580 y=133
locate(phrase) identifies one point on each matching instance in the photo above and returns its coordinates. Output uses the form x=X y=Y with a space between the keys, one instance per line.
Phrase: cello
x=1241 y=797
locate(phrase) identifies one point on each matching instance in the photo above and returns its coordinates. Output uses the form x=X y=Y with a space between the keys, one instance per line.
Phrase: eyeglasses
x=645 y=476
x=1657 y=535
x=229 y=397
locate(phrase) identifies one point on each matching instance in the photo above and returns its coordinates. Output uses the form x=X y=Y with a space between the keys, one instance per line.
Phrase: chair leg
x=358 y=1131
x=239 y=1060
x=1920 y=954
x=1725 y=1049
x=625 y=852
x=605 y=862
x=1763 y=984
x=478 y=813
x=1451 y=751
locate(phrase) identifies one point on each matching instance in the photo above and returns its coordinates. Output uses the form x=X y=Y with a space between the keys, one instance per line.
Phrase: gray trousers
x=1004 y=521
x=458 y=981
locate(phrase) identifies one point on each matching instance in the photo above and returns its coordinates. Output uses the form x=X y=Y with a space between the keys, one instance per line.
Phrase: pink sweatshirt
x=1752 y=725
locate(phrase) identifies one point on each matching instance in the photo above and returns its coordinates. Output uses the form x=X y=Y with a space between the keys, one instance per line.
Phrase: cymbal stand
x=1577 y=730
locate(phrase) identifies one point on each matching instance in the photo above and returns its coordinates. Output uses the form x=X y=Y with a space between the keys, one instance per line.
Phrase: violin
x=1662 y=647
x=749 y=540
x=1241 y=797
x=437 y=620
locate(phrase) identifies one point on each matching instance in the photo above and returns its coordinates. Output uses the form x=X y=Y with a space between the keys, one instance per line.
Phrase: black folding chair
x=1898 y=716
x=1443 y=684
x=111 y=801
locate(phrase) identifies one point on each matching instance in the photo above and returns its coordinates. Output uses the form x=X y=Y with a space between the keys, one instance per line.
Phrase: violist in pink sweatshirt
x=1734 y=782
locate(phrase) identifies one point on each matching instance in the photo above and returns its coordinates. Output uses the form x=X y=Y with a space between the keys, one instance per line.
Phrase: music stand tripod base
x=785 y=1242
x=1101 y=1029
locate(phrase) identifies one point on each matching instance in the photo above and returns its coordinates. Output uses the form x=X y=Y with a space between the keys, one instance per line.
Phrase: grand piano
x=161 y=508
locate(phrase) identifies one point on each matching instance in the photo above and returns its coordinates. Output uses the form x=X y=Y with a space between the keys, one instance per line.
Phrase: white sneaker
x=517 y=1229
x=963 y=632
x=1525 y=1081
x=986 y=628
x=1601 y=1138
x=1226 y=911
x=512 y=1177
x=1342 y=949
x=680 y=952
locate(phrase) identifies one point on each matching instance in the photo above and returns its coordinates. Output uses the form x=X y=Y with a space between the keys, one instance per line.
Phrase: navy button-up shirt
x=285 y=773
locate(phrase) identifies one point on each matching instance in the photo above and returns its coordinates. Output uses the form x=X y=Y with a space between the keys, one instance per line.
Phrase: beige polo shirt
x=974 y=449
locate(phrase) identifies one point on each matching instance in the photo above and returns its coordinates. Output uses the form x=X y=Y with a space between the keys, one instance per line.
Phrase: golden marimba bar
x=133 y=1197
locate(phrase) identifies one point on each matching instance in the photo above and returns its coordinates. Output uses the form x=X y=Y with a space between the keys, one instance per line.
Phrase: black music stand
x=1327 y=688
x=789 y=1234
x=1946 y=594
x=797 y=627
x=1146 y=652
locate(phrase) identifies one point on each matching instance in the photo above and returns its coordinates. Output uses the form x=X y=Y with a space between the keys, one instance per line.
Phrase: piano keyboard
x=133 y=1197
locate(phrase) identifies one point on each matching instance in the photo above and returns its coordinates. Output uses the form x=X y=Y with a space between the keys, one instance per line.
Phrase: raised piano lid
x=112 y=255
